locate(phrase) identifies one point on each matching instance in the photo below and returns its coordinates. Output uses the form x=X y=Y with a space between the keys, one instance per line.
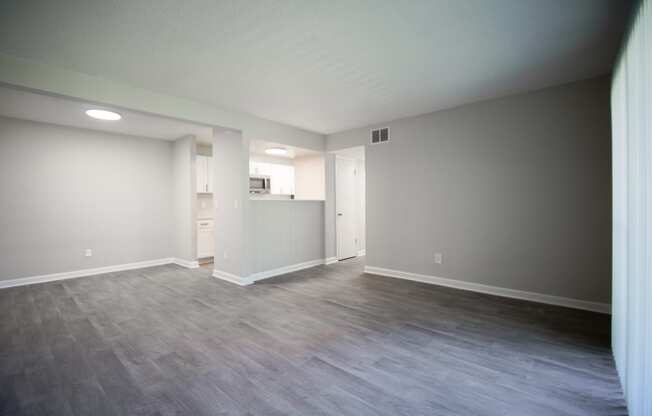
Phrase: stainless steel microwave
x=259 y=184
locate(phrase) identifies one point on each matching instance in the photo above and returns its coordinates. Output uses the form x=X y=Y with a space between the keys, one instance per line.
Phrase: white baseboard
x=244 y=281
x=190 y=264
x=232 y=278
x=81 y=273
x=285 y=269
x=331 y=260
x=362 y=252
x=493 y=290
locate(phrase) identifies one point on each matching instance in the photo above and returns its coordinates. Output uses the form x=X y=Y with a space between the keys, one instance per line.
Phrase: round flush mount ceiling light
x=276 y=151
x=103 y=115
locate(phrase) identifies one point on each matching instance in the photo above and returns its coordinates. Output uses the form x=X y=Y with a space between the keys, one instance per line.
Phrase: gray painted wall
x=360 y=202
x=66 y=189
x=230 y=182
x=330 y=238
x=184 y=178
x=515 y=192
x=285 y=233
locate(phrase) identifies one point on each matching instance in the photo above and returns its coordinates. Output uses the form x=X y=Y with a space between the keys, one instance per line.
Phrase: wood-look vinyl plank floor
x=329 y=340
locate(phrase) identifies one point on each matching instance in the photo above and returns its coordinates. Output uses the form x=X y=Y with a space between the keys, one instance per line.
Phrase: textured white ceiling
x=325 y=66
x=65 y=112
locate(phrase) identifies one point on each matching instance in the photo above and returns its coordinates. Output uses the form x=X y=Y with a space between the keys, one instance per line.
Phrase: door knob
x=339 y=214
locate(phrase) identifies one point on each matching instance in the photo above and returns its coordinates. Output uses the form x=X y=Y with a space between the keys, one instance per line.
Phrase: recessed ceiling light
x=103 y=114
x=276 y=151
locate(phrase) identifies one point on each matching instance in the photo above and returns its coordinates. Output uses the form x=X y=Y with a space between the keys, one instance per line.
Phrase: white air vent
x=380 y=135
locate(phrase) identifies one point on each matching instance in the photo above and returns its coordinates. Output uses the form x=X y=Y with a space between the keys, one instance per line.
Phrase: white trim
x=362 y=252
x=190 y=264
x=82 y=273
x=493 y=290
x=232 y=278
x=22 y=281
x=285 y=269
x=244 y=281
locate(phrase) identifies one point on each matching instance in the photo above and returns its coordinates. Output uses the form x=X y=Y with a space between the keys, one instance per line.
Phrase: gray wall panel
x=286 y=233
x=66 y=189
x=515 y=192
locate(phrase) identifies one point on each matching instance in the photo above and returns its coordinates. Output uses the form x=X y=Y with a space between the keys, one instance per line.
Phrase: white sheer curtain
x=631 y=105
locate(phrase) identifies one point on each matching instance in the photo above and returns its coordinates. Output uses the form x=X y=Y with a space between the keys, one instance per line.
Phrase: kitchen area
x=205 y=205
x=285 y=207
x=281 y=172
x=286 y=195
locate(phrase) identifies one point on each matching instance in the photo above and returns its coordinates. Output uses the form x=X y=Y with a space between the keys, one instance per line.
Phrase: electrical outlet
x=88 y=252
x=439 y=258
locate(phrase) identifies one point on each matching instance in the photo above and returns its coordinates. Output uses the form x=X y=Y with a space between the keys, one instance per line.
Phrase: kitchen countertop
x=286 y=200
x=277 y=197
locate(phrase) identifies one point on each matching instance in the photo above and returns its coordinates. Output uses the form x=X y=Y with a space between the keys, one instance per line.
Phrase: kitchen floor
x=329 y=340
x=207 y=265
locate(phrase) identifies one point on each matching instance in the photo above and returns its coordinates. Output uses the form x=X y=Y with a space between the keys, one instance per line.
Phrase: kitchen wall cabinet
x=204 y=166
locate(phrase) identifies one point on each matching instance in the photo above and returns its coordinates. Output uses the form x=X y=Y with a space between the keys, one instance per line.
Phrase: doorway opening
x=205 y=240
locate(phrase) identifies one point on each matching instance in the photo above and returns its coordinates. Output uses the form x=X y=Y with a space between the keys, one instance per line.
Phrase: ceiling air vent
x=380 y=135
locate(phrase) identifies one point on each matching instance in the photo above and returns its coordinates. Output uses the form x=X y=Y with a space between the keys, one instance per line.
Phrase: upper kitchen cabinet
x=204 y=174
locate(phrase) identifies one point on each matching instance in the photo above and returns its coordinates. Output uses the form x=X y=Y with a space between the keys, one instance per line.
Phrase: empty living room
x=349 y=207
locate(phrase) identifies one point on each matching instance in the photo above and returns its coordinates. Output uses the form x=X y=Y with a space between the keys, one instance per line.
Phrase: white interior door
x=345 y=204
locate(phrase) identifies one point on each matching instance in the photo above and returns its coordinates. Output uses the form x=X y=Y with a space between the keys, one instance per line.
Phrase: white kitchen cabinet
x=209 y=174
x=205 y=239
x=204 y=165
